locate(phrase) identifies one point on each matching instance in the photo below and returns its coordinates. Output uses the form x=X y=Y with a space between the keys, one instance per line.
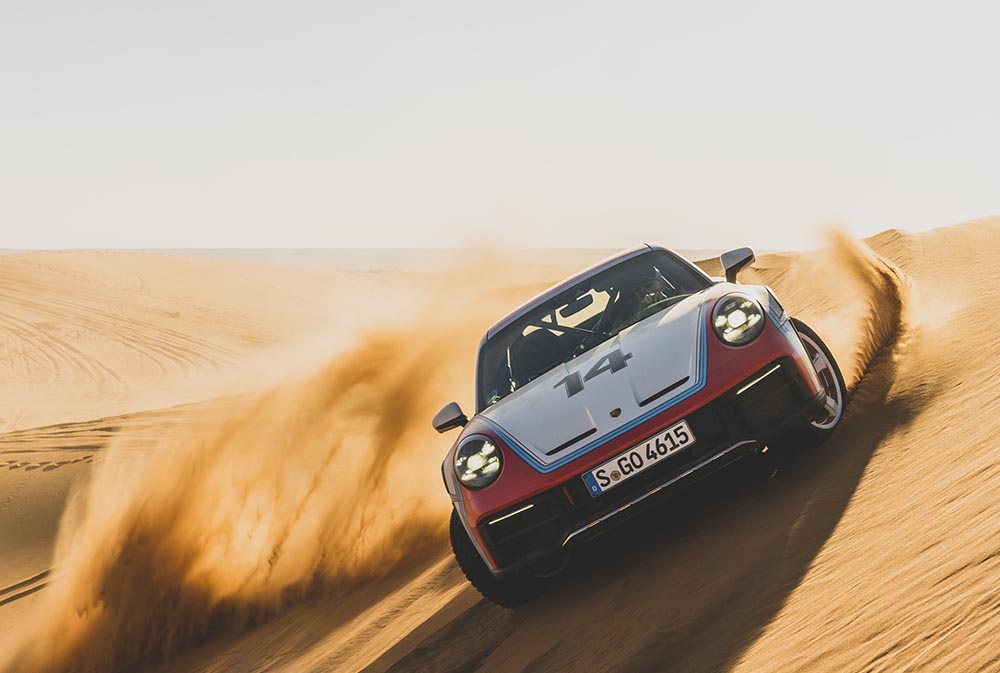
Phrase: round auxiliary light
x=738 y=319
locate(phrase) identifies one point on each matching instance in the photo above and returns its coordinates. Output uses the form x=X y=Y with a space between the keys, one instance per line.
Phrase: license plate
x=638 y=458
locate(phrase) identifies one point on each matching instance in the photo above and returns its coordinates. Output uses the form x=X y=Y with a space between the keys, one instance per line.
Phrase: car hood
x=664 y=362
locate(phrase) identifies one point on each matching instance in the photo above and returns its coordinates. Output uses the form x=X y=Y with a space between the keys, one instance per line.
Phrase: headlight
x=738 y=319
x=477 y=462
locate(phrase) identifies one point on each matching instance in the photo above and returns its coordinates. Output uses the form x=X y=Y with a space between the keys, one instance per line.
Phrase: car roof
x=591 y=270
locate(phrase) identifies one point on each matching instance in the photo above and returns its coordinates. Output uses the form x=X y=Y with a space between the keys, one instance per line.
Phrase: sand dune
x=300 y=526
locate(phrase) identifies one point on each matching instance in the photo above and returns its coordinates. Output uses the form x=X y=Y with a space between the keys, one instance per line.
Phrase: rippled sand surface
x=241 y=459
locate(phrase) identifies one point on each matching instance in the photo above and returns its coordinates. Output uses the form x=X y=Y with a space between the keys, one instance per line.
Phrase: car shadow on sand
x=691 y=584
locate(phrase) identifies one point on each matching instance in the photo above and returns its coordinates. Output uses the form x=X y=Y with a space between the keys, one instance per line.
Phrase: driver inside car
x=647 y=289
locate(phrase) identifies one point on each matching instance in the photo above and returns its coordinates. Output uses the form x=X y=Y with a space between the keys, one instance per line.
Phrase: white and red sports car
x=612 y=389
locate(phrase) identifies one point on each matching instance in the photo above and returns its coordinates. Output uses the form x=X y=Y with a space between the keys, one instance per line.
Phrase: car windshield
x=580 y=318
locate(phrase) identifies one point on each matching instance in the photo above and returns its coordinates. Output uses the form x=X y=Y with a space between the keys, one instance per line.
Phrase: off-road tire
x=510 y=591
x=816 y=432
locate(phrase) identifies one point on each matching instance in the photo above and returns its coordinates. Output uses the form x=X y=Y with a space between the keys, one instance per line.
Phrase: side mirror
x=734 y=260
x=449 y=417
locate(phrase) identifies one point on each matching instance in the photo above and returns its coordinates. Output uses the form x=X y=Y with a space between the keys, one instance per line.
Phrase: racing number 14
x=612 y=361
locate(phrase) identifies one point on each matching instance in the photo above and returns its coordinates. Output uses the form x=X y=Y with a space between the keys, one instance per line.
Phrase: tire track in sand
x=24 y=588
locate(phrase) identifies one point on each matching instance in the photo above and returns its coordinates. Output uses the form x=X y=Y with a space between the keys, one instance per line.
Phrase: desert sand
x=221 y=466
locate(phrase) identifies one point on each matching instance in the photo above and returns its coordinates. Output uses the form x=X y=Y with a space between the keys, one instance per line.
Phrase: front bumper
x=740 y=421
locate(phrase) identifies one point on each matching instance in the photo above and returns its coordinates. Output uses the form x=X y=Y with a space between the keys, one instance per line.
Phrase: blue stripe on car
x=699 y=383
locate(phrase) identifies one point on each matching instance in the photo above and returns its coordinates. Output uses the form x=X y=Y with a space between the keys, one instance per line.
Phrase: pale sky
x=701 y=124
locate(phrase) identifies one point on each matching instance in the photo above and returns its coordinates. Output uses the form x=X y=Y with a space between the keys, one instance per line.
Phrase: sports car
x=613 y=389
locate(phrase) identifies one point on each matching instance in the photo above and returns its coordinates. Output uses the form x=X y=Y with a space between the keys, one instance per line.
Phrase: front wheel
x=819 y=429
x=509 y=592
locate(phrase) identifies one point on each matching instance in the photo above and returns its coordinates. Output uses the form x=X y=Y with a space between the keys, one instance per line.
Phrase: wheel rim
x=834 y=403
